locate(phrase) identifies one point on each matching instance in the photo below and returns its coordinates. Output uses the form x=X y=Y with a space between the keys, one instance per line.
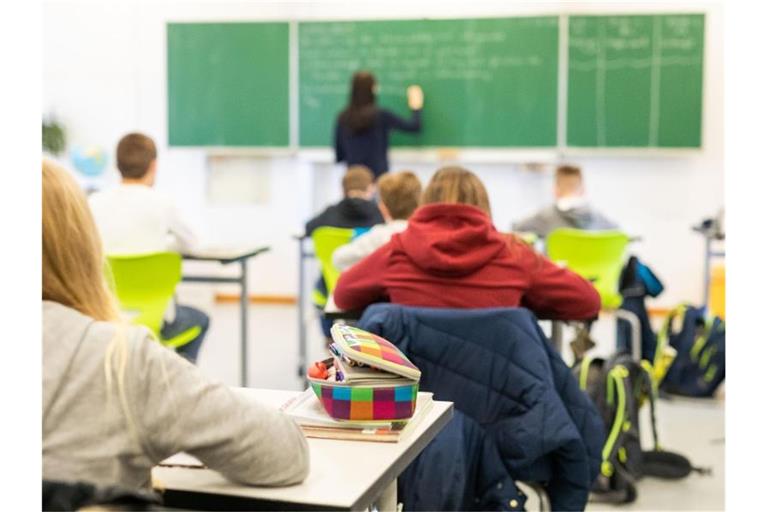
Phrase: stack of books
x=308 y=412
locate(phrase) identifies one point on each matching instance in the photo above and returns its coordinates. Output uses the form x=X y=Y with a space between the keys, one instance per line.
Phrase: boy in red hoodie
x=451 y=256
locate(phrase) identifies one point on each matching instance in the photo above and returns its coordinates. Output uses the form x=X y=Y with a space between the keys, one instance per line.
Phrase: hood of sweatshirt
x=450 y=240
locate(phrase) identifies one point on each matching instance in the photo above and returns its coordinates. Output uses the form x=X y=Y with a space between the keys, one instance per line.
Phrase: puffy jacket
x=500 y=371
x=451 y=256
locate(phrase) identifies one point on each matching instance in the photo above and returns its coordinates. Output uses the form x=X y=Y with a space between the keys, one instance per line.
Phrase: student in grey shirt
x=570 y=210
x=115 y=401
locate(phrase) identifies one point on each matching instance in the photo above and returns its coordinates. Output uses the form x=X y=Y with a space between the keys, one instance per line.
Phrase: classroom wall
x=104 y=74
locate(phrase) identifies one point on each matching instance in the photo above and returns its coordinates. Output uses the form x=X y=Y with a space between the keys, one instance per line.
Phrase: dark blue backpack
x=699 y=339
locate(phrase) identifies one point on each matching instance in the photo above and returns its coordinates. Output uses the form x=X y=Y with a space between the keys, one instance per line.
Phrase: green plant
x=54 y=137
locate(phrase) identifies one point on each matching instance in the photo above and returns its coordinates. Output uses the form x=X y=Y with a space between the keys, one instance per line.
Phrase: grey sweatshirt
x=550 y=218
x=91 y=434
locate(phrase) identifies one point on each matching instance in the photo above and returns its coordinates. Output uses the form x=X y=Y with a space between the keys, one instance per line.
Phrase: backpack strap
x=584 y=372
x=616 y=378
x=652 y=394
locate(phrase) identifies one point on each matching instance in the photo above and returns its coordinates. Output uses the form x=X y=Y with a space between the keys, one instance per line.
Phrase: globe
x=90 y=160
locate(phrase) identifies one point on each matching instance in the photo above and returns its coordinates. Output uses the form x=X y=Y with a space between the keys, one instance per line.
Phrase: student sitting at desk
x=356 y=209
x=451 y=256
x=398 y=199
x=115 y=401
x=134 y=218
x=570 y=210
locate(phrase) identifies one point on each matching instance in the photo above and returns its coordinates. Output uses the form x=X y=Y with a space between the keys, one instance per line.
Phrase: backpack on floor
x=619 y=387
x=699 y=340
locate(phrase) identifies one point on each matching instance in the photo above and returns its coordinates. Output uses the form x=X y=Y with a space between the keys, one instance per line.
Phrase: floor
x=695 y=428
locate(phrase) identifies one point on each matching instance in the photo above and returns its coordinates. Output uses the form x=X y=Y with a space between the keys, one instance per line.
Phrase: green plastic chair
x=597 y=256
x=327 y=239
x=144 y=286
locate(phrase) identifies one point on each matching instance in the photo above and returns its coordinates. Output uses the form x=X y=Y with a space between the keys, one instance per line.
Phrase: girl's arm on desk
x=176 y=408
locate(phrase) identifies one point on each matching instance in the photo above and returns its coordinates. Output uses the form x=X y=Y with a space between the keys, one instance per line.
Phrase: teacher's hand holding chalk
x=415 y=97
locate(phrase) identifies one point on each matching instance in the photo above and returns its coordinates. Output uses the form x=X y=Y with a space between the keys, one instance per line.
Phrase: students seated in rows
x=570 y=210
x=134 y=218
x=398 y=199
x=356 y=209
x=451 y=256
x=115 y=401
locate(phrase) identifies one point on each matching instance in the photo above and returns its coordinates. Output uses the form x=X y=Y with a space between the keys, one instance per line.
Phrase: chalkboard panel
x=487 y=82
x=635 y=81
x=228 y=84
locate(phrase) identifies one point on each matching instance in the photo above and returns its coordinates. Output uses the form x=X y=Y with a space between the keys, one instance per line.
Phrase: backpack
x=619 y=387
x=699 y=340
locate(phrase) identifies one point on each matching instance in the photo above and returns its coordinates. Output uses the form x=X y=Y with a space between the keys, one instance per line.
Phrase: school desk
x=225 y=256
x=343 y=475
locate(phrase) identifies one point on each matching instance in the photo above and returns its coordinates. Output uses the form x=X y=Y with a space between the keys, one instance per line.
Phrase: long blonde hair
x=74 y=271
x=73 y=261
x=456 y=185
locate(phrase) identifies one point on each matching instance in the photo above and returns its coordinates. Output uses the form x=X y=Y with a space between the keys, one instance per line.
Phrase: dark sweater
x=350 y=212
x=370 y=147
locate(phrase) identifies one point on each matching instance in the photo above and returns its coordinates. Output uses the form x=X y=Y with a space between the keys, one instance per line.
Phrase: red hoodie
x=451 y=256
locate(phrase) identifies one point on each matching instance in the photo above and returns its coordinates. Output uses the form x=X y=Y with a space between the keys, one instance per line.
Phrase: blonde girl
x=116 y=402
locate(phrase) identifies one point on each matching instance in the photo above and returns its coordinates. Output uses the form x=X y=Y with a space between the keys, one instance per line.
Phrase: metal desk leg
x=387 y=502
x=707 y=264
x=557 y=335
x=244 y=323
x=302 y=312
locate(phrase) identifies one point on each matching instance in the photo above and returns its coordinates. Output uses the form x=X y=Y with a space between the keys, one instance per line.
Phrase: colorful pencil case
x=384 y=388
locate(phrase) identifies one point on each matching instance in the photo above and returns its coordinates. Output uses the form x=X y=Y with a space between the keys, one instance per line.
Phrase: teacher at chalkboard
x=362 y=129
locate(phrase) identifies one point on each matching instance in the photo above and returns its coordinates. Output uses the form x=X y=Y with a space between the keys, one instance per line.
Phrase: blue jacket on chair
x=502 y=374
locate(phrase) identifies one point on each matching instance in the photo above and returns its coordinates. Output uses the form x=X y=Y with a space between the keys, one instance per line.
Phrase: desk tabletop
x=225 y=254
x=332 y=311
x=343 y=474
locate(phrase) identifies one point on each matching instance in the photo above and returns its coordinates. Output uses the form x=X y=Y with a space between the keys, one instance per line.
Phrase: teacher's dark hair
x=361 y=110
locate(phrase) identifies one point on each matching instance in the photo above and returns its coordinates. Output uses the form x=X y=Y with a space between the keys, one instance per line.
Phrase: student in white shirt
x=134 y=218
x=398 y=198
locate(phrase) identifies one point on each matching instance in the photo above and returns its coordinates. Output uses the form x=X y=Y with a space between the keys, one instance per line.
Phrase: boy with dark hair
x=134 y=218
x=398 y=198
x=356 y=210
x=570 y=210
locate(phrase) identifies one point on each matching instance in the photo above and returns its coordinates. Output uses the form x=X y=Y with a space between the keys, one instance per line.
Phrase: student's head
x=456 y=185
x=358 y=182
x=398 y=195
x=137 y=158
x=73 y=264
x=361 y=110
x=568 y=182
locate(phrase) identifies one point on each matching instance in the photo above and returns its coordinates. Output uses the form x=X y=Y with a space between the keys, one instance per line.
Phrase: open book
x=307 y=411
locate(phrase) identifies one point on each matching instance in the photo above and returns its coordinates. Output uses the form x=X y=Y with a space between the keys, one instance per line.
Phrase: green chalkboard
x=228 y=84
x=635 y=81
x=487 y=82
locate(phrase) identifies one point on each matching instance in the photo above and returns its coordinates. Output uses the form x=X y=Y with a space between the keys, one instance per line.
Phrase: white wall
x=104 y=75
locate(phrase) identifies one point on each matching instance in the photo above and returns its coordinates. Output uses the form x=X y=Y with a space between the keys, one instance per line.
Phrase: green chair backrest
x=145 y=284
x=327 y=239
x=597 y=256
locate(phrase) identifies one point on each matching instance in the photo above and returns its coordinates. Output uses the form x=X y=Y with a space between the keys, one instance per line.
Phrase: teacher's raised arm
x=362 y=128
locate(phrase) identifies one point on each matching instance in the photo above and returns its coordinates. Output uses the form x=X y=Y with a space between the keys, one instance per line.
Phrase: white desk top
x=224 y=253
x=343 y=474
